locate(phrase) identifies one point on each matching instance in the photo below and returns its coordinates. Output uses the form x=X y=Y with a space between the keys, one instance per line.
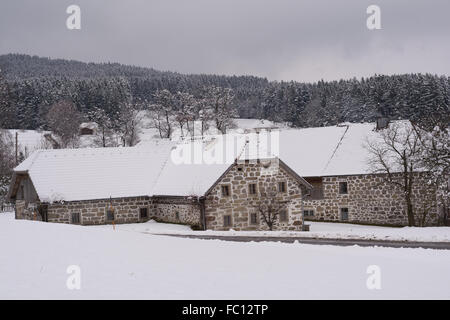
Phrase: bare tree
x=163 y=112
x=156 y=119
x=7 y=162
x=185 y=111
x=221 y=101
x=397 y=157
x=105 y=131
x=128 y=124
x=269 y=206
x=64 y=120
x=204 y=114
x=435 y=158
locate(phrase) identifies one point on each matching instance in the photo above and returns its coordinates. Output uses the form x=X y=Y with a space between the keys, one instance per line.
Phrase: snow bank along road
x=35 y=256
x=318 y=230
x=322 y=241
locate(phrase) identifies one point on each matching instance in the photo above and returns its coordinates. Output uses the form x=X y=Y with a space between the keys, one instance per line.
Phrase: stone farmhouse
x=217 y=183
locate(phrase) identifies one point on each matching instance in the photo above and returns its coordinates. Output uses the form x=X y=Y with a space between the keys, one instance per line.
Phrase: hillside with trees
x=30 y=85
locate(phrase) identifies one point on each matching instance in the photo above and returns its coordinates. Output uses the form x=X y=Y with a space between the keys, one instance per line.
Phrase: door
x=43 y=211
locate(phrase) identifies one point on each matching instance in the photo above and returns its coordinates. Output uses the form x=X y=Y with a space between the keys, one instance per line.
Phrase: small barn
x=88 y=128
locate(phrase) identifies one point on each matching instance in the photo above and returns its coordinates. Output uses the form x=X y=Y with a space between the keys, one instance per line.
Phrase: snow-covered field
x=317 y=230
x=29 y=140
x=149 y=133
x=120 y=263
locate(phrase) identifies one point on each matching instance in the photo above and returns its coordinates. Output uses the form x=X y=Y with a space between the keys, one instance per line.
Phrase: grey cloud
x=277 y=39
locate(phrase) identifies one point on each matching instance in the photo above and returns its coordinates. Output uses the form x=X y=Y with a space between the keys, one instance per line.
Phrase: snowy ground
x=147 y=133
x=34 y=257
x=29 y=140
x=317 y=230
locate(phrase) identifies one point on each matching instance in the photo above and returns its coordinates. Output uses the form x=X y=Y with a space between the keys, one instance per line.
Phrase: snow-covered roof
x=89 y=125
x=190 y=168
x=327 y=151
x=95 y=173
x=194 y=166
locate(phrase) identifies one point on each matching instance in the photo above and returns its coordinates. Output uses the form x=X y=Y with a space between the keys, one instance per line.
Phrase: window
x=283 y=216
x=177 y=215
x=227 y=221
x=282 y=186
x=143 y=213
x=253 y=218
x=308 y=213
x=226 y=191
x=109 y=215
x=252 y=188
x=75 y=218
x=344 y=214
x=343 y=188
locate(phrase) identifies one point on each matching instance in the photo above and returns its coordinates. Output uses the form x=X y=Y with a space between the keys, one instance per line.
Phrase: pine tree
x=7 y=118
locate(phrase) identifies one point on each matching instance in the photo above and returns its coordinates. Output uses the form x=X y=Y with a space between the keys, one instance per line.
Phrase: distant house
x=88 y=128
x=218 y=184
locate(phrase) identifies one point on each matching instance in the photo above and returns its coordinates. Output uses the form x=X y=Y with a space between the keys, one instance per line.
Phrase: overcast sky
x=304 y=40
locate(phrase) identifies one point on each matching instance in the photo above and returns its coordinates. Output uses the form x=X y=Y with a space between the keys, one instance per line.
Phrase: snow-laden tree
x=128 y=124
x=185 y=112
x=7 y=162
x=163 y=111
x=205 y=114
x=222 y=102
x=7 y=118
x=64 y=120
x=104 y=134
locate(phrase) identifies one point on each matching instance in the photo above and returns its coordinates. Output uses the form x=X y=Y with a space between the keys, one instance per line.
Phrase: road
x=321 y=241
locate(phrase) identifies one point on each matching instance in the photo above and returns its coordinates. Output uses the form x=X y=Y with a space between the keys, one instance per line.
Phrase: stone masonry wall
x=240 y=204
x=370 y=201
x=126 y=210
x=178 y=210
x=26 y=211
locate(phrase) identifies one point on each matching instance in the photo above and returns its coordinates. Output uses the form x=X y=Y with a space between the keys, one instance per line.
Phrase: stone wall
x=126 y=210
x=240 y=204
x=370 y=201
x=26 y=211
x=178 y=210
x=93 y=212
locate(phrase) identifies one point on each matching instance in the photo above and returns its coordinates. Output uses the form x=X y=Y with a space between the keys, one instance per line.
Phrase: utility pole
x=17 y=147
